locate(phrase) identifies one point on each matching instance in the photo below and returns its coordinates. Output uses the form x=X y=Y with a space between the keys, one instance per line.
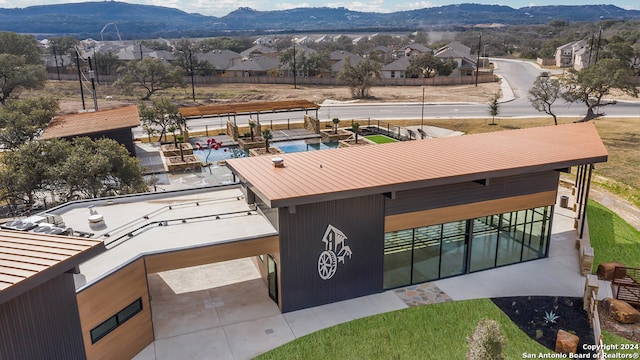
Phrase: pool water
x=302 y=145
x=217 y=155
x=286 y=146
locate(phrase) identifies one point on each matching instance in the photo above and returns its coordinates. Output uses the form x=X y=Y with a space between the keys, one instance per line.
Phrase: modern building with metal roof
x=38 y=307
x=360 y=220
x=114 y=123
x=320 y=227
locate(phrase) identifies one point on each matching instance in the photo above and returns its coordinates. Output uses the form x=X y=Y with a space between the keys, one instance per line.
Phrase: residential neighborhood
x=406 y=194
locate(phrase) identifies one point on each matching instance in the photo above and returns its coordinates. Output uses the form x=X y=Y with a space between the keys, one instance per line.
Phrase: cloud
x=414 y=5
x=371 y=6
x=287 y=6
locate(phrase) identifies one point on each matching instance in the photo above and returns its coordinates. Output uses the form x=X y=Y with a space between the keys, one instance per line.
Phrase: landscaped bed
x=541 y=317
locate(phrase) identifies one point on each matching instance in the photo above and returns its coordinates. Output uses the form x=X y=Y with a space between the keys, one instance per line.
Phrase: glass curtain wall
x=432 y=252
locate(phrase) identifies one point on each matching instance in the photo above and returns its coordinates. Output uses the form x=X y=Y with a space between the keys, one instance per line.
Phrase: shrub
x=486 y=342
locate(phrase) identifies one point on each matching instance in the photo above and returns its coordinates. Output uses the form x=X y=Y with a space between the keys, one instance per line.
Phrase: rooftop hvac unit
x=20 y=225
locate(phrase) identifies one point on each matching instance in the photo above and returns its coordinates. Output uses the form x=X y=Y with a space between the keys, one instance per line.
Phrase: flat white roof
x=159 y=222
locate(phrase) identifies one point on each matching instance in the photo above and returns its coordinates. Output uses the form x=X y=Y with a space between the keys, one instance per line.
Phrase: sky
x=223 y=7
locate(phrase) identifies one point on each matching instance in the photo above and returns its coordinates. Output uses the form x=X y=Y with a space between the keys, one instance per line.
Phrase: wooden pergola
x=250 y=108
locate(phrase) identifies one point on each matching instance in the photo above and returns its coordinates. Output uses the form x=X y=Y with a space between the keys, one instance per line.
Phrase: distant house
x=324 y=39
x=565 y=54
x=383 y=53
x=259 y=51
x=300 y=52
x=264 y=41
x=353 y=59
x=114 y=124
x=461 y=54
x=415 y=50
x=221 y=59
x=259 y=66
x=396 y=69
x=581 y=58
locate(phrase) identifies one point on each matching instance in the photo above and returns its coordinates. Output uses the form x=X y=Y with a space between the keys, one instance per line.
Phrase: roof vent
x=278 y=162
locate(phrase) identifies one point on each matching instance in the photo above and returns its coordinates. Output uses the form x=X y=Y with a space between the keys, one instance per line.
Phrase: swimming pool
x=304 y=145
x=293 y=146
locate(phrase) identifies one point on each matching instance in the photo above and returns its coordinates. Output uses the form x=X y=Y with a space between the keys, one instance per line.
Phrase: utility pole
x=55 y=56
x=598 y=50
x=80 y=78
x=96 y=63
x=93 y=85
x=591 y=49
x=193 y=88
x=295 y=85
x=478 y=59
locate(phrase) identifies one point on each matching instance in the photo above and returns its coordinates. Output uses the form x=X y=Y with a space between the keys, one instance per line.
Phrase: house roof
x=247 y=108
x=314 y=176
x=261 y=63
x=454 y=50
x=29 y=259
x=92 y=122
x=220 y=59
x=399 y=65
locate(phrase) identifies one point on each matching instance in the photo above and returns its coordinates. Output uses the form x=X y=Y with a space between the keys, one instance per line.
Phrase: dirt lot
x=108 y=97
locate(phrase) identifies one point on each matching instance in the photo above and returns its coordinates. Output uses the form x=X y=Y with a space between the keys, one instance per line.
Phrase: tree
x=73 y=170
x=356 y=128
x=22 y=120
x=336 y=122
x=16 y=74
x=360 y=78
x=267 y=135
x=544 y=92
x=494 y=108
x=99 y=168
x=592 y=84
x=486 y=342
x=161 y=116
x=185 y=53
x=252 y=126
x=64 y=45
x=25 y=46
x=107 y=63
x=429 y=66
x=151 y=74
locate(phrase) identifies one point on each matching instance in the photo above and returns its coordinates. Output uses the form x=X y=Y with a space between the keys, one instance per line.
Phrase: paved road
x=518 y=76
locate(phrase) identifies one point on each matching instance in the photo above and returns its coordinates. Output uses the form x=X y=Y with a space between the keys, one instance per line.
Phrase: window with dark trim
x=116 y=320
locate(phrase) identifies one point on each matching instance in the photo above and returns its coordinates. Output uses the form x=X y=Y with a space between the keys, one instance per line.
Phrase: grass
x=438 y=331
x=609 y=338
x=380 y=139
x=612 y=238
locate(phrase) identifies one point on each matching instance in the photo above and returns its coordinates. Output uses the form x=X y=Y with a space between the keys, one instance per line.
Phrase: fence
x=594 y=319
x=210 y=80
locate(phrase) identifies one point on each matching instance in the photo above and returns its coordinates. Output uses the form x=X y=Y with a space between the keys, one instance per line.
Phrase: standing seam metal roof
x=355 y=171
x=29 y=259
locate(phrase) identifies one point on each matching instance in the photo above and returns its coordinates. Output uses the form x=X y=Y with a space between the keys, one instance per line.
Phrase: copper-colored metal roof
x=92 y=122
x=313 y=176
x=247 y=108
x=29 y=259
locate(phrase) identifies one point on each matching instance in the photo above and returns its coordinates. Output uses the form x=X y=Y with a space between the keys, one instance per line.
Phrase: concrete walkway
x=222 y=311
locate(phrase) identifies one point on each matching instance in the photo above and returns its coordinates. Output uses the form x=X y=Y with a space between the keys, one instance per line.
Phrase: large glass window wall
x=438 y=251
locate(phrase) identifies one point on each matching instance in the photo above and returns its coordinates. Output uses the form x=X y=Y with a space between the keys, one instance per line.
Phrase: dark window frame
x=120 y=318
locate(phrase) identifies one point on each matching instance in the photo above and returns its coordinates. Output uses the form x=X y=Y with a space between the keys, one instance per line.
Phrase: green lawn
x=612 y=238
x=438 y=331
x=380 y=139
